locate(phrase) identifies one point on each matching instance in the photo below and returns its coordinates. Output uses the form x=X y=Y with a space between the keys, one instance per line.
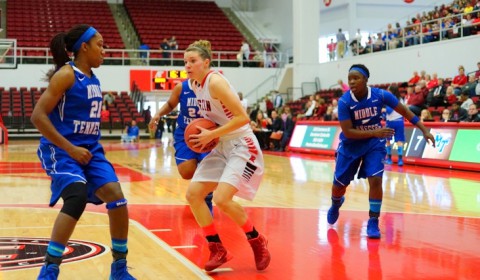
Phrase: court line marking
x=161 y=230
x=185 y=247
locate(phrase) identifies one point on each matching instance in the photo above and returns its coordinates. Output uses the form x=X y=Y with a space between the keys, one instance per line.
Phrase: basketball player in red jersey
x=233 y=168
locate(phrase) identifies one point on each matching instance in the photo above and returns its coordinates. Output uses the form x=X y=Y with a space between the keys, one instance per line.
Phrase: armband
x=414 y=120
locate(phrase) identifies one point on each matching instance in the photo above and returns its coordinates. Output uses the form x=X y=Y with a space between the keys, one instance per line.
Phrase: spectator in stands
x=144 y=51
x=258 y=59
x=245 y=51
x=331 y=49
x=261 y=130
x=328 y=116
x=436 y=96
x=414 y=79
x=277 y=100
x=477 y=89
x=310 y=106
x=243 y=101
x=147 y=115
x=287 y=127
x=269 y=105
x=321 y=108
x=473 y=115
x=131 y=132
x=334 y=110
x=343 y=85
x=416 y=101
x=171 y=120
x=466 y=100
x=459 y=80
x=450 y=96
x=433 y=82
x=477 y=73
x=458 y=113
x=172 y=43
x=105 y=114
x=426 y=116
x=446 y=116
x=470 y=86
x=165 y=48
x=108 y=99
x=276 y=127
x=341 y=43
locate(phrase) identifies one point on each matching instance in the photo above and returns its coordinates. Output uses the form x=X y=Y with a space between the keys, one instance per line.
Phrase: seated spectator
x=473 y=115
x=334 y=110
x=459 y=80
x=477 y=73
x=416 y=100
x=328 y=114
x=287 y=127
x=436 y=96
x=426 y=116
x=415 y=79
x=108 y=99
x=260 y=127
x=433 y=82
x=276 y=127
x=310 y=106
x=321 y=108
x=458 y=113
x=466 y=100
x=445 y=115
x=450 y=96
x=470 y=86
x=131 y=133
x=105 y=114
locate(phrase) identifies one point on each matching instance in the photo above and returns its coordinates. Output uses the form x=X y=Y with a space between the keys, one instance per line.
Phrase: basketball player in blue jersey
x=396 y=122
x=68 y=117
x=362 y=142
x=185 y=158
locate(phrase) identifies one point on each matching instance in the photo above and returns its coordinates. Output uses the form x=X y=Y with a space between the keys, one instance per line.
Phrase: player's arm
x=220 y=90
x=171 y=104
x=403 y=110
x=61 y=81
x=351 y=132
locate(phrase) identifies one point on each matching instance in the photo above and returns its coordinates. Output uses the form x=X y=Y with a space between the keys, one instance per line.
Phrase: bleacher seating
x=188 y=21
x=34 y=22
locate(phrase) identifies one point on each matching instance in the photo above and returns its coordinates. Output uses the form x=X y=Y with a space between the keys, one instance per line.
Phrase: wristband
x=414 y=120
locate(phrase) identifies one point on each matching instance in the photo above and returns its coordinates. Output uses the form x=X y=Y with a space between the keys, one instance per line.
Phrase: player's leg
x=224 y=200
x=400 y=138
x=345 y=169
x=196 y=199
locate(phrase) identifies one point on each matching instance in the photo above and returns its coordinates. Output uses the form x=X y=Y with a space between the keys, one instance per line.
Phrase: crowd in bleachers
x=459 y=19
x=430 y=97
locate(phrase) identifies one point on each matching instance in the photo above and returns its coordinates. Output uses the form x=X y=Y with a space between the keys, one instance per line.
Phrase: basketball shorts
x=399 y=127
x=238 y=162
x=368 y=163
x=182 y=151
x=64 y=170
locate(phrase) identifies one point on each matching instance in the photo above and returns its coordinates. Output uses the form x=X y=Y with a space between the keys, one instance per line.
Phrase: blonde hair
x=202 y=47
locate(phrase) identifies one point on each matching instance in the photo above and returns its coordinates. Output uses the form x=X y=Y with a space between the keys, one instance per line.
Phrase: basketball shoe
x=49 y=272
x=389 y=161
x=334 y=211
x=372 y=228
x=400 y=162
x=119 y=271
x=260 y=251
x=218 y=256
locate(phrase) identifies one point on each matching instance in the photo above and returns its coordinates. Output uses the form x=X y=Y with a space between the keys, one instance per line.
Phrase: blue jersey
x=188 y=106
x=77 y=115
x=365 y=114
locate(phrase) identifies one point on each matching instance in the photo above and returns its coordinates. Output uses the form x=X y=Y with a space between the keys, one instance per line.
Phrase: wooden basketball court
x=430 y=221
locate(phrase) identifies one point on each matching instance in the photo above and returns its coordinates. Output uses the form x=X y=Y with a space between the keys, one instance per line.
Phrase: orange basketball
x=192 y=129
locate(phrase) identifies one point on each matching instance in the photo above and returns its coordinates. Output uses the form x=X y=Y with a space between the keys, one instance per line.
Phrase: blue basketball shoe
x=49 y=272
x=334 y=211
x=389 y=161
x=372 y=228
x=119 y=271
x=400 y=162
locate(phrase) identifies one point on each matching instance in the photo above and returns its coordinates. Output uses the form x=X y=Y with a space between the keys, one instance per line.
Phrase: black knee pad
x=74 y=199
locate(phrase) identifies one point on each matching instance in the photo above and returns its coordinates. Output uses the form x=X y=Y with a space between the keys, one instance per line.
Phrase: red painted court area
x=304 y=246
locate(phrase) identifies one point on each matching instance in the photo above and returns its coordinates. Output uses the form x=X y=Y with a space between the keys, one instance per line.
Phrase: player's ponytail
x=61 y=44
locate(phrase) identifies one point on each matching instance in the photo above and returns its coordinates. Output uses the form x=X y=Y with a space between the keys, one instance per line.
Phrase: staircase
x=247 y=34
x=126 y=29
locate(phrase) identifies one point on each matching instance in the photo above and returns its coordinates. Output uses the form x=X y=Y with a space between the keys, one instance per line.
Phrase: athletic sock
x=389 y=152
x=55 y=249
x=119 y=245
x=375 y=206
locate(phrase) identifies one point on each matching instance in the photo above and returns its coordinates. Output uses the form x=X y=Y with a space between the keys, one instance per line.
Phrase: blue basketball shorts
x=64 y=170
x=399 y=127
x=182 y=151
x=368 y=163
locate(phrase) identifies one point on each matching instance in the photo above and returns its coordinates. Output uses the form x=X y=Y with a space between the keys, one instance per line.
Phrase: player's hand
x=203 y=138
x=80 y=154
x=384 y=132
x=154 y=122
x=428 y=136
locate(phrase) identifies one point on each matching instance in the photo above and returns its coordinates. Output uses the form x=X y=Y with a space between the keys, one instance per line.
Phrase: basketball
x=192 y=129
